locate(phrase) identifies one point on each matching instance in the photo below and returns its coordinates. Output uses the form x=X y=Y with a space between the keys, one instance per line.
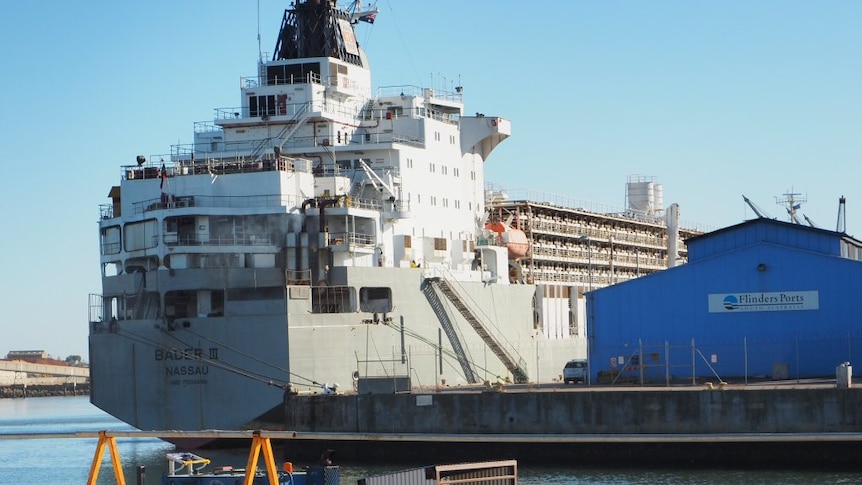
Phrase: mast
x=792 y=202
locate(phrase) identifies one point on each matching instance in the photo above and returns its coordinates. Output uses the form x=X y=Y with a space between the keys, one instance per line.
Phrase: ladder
x=449 y=329
x=517 y=369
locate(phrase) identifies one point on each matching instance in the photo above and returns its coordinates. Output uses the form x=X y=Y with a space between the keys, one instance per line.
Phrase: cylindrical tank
x=658 y=200
x=641 y=196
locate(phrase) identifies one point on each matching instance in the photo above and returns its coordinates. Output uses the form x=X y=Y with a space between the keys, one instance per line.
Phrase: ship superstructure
x=320 y=236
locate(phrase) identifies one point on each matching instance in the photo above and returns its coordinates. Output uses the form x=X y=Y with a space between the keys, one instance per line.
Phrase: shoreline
x=22 y=391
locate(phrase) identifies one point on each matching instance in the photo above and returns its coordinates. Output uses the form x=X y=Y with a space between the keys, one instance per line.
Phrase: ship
x=327 y=236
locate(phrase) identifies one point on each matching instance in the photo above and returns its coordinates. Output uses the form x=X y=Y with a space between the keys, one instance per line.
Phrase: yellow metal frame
x=104 y=439
x=259 y=443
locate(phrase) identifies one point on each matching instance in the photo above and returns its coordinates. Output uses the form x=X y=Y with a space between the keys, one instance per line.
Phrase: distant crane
x=757 y=210
x=841 y=226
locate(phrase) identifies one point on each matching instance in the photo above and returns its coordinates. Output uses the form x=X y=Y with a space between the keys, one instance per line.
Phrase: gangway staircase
x=519 y=373
x=299 y=118
x=446 y=323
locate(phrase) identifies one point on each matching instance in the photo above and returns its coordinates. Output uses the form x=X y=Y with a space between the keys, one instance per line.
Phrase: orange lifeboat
x=515 y=240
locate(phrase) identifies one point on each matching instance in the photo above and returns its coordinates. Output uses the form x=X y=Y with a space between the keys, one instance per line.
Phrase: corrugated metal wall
x=662 y=326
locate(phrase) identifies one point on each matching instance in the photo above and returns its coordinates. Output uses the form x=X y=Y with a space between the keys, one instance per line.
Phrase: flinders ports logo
x=730 y=302
x=769 y=301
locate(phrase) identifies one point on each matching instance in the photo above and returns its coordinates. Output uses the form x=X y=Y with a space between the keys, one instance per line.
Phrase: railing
x=257 y=81
x=278 y=112
x=261 y=239
x=352 y=239
x=235 y=202
x=413 y=90
x=213 y=166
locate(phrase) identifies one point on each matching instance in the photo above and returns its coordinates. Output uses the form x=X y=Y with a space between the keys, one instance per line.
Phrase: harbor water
x=67 y=461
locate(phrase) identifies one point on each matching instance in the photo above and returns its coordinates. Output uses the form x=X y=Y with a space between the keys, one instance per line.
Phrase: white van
x=575 y=371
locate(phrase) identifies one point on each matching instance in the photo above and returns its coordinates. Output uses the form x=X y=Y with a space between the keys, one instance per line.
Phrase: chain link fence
x=738 y=361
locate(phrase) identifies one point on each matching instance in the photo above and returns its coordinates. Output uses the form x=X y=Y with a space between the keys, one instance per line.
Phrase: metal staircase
x=446 y=323
x=517 y=369
x=299 y=118
x=145 y=301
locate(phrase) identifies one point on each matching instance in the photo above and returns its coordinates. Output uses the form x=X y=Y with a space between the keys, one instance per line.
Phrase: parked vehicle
x=575 y=371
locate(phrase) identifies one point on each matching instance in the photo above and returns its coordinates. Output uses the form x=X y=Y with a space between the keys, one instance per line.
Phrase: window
x=375 y=299
x=141 y=235
x=333 y=299
x=111 y=240
x=295 y=73
x=261 y=106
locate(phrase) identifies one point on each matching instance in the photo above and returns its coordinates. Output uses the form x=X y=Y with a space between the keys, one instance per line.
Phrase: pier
x=23 y=379
x=777 y=425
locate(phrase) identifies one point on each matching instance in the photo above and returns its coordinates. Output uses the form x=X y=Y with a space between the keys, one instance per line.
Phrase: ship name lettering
x=183 y=354
x=187 y=370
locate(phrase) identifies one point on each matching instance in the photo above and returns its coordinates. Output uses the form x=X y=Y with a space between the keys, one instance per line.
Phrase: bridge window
x=111 y=240
x=141 y=235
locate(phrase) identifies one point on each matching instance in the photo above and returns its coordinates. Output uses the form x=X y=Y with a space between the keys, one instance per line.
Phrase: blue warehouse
x=763 y=299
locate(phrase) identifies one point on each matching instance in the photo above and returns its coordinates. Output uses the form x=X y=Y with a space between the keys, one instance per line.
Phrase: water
x=67 y=461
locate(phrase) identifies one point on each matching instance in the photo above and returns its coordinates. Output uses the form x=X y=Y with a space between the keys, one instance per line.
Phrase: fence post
x=641 y=360
x=797 y=359
x=666 y=364
x=693 y=364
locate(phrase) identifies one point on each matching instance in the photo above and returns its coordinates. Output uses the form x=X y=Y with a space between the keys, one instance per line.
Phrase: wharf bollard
x=844 y=375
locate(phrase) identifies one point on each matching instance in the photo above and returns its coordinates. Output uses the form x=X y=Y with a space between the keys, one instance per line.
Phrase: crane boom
x=754 y=207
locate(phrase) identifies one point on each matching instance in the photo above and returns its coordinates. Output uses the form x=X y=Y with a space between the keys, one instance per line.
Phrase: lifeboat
x=515 y=240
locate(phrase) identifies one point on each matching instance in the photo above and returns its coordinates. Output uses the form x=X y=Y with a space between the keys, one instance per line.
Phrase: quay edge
x=740 y=427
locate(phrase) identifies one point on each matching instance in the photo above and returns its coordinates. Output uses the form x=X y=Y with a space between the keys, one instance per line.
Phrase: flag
x=164 y=177
x=368 y=18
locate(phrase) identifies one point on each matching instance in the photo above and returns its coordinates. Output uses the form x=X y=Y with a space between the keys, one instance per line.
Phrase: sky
x=711 y=99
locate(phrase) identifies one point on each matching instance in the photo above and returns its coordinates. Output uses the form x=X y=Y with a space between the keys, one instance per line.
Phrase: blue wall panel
x=661 y=324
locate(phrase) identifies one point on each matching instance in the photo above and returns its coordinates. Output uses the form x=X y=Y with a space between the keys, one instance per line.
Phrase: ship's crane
x=757 y=210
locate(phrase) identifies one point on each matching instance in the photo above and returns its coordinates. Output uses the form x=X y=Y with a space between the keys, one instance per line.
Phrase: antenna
x=259 y=48
x=792 y=203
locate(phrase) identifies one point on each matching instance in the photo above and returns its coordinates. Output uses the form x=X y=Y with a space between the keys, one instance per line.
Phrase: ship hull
x=231 y=372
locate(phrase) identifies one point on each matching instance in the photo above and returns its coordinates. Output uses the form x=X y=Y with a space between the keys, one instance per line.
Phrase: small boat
x=189 y=469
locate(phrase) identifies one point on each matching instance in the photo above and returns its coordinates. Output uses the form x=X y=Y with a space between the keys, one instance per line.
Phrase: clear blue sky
x=715 y=99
